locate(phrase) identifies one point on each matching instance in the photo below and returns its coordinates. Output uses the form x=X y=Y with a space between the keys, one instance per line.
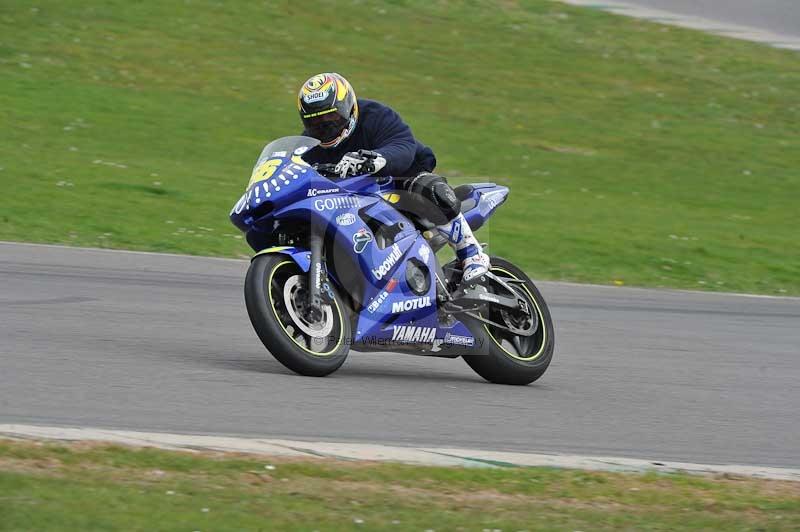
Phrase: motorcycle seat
x=464 y=194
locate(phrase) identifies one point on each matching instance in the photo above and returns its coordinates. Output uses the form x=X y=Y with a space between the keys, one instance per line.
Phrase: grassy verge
x=637 y=154
x=98 y=487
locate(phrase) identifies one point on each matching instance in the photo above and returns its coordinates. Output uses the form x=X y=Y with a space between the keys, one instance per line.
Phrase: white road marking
x=384 y=453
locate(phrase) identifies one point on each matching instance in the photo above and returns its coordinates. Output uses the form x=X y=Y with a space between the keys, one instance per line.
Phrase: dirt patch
x=33 y=465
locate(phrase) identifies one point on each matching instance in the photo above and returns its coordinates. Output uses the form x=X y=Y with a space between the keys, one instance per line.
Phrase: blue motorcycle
x=340 y=266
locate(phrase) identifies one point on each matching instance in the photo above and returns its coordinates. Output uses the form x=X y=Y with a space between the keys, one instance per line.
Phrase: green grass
x=637 y=153
x=97 y=487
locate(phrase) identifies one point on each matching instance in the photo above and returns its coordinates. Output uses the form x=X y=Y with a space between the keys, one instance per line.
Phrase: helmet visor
x=325 y=127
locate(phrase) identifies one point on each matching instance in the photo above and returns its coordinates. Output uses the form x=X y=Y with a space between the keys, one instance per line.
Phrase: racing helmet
x=328 y=108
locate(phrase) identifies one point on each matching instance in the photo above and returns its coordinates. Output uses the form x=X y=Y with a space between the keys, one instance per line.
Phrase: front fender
x=302 y=257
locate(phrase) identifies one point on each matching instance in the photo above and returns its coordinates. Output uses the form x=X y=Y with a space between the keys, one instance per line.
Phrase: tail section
x=479 y=201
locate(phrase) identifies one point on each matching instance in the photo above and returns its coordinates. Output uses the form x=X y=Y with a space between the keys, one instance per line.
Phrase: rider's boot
x=473 y=260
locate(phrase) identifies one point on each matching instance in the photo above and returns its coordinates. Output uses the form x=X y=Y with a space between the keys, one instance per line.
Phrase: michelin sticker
x=347 y=218
x=453 y=339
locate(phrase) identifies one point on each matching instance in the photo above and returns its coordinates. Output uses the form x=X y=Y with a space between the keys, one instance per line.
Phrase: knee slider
x=440 y=202
x=434 y=189
x=446 y=200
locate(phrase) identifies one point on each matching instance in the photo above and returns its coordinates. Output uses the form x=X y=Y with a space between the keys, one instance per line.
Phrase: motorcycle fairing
x=376 y=276
x=396 y=316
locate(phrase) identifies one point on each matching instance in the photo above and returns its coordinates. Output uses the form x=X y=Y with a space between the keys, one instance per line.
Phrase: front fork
x=315 y=275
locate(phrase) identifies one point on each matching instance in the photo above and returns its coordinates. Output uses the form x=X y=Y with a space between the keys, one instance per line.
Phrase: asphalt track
x=162 y=343
x=779 y=16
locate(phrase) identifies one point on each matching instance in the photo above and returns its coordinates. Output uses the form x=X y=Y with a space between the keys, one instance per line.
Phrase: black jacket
x=381 y=129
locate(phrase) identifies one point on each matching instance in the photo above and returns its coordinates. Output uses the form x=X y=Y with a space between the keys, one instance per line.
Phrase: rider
x=360 y=134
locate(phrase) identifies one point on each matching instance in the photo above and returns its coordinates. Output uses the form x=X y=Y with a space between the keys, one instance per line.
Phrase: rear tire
x=509 y=359
x=274 y=292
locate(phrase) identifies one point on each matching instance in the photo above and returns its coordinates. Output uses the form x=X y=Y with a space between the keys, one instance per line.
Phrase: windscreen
x=286 y=147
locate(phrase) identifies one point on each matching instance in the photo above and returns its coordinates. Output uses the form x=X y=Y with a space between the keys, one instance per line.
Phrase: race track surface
x=779 y=16
x=163 y=343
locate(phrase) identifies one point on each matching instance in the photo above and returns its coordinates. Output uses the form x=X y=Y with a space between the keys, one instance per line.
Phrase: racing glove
x=360 y=162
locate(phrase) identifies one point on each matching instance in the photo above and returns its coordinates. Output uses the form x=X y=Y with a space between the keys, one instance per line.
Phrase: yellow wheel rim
x=285 y=330
x=540 y=318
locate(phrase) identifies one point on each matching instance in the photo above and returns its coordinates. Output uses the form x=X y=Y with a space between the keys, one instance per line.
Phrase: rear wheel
x=510 y=358
x=276 y=296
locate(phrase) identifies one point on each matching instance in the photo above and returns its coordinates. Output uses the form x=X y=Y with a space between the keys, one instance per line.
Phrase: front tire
x=275 y=295
x=511 y=359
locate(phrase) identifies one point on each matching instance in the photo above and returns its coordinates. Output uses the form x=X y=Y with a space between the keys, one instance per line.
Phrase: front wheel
x=509 y=358
x=276 y=295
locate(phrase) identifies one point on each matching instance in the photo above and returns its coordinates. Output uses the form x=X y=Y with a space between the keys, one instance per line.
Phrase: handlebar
x=329 y=169
x=326 y=169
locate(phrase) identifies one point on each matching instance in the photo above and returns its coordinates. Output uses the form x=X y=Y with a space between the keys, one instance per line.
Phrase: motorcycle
x=339 y=267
